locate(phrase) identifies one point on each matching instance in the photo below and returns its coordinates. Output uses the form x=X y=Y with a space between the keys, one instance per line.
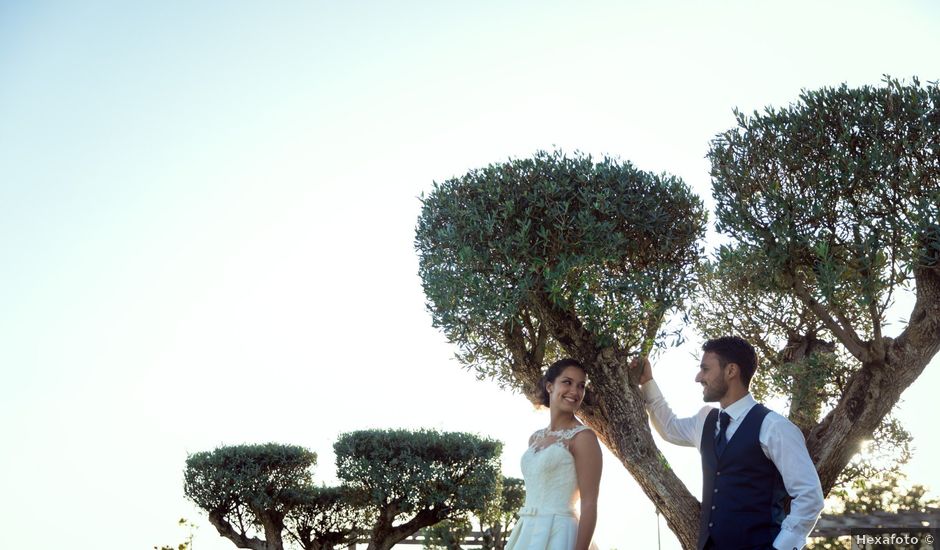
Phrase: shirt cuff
x=788 y=540
x=650 y=391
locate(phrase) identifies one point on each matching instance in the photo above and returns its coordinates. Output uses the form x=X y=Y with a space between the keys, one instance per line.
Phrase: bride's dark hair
x=552 y=373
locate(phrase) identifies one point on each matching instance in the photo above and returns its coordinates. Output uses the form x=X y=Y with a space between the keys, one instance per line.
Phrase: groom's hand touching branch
x=641 y=367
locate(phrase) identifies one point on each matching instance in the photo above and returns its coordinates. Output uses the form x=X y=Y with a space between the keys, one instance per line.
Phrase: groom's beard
x=714 y=392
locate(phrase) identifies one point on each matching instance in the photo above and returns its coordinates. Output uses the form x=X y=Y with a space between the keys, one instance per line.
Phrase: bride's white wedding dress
x=549 y=519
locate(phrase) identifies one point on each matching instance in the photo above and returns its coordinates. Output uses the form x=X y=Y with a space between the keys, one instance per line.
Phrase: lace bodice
x=551 y=484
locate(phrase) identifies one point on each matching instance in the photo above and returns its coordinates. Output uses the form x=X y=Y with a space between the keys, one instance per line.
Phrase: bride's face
x=567 y=391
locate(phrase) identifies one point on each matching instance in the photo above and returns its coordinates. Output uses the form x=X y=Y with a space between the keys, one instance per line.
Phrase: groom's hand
x=642 y=364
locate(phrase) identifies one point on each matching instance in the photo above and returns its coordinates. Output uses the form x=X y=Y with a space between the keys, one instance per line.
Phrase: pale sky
x=207 y=213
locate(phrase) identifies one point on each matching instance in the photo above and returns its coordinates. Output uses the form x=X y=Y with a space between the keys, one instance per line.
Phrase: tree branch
x=217 y=519
x=526 y=364
x=877 y=346
x=871 y=392
x=844 y=333
x=424 y=518
x=921 y=336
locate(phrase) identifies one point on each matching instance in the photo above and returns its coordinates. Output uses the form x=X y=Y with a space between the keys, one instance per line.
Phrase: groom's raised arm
x=679 y=431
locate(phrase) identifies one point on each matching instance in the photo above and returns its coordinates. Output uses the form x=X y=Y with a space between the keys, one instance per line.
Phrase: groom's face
x=712 y=378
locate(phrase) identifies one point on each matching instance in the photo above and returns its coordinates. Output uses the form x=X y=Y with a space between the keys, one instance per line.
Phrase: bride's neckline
x=549 y=431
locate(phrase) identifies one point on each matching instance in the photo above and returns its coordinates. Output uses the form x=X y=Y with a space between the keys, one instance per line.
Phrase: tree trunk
x=874 y=390
x=273 y=523
x=619 y=419
x=807 y=381
x=385 y=535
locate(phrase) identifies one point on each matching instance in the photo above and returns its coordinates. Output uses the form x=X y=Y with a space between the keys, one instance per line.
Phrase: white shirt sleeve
x=679 y=431
x=785 y=446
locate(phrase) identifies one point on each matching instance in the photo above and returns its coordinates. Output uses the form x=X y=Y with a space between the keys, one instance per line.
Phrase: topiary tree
x=248 y=490
x=255 y=493
x=832 y=206
x=413 y=480
x=525 y=261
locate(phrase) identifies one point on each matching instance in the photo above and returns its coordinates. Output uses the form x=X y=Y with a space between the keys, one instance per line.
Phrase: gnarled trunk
x=874 y=390
x=618 y=417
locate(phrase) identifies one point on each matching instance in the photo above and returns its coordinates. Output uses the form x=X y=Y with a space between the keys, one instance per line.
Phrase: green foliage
x=512 y=499
x=615 y=245
x=884 y=493
x=796 y=353
x=882 y=456
x=501 y=513
x=736 y=299
x=259 y=491
x=327 y=517
x=832 y=203
x=410 y=471
x=837 y=195
x=495 y=519
x=245 y=480
x=448 y=534
x=185 y=545
x=255 y=491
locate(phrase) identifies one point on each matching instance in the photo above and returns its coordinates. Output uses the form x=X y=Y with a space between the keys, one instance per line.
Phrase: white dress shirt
x=782 y=443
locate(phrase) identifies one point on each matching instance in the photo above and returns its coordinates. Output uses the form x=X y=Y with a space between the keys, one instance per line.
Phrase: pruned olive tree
x=415 y=479
x=325 y=518
x=532 y=259
x=249 y=489
x=255 y=494
x=494 y=521
x=832 y=206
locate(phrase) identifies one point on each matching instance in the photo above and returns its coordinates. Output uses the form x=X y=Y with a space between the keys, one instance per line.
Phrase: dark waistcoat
x=743 y=497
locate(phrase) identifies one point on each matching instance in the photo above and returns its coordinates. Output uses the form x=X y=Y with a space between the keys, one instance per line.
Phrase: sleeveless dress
x=548 y=520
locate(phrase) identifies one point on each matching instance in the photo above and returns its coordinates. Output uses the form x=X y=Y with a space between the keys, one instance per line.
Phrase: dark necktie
x=722 y=439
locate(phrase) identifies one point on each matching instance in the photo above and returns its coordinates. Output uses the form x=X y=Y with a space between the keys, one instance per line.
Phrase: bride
x=561 y=465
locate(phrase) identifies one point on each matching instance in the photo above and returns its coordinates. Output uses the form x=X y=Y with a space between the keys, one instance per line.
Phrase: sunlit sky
x=207 y=212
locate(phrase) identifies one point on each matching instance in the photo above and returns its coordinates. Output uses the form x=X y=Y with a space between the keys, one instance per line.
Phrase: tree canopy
x=249 y=489
x=395 y=482
x=494 y=521
x=416 y=479
x=257 y=494
x=833 y=207
x=613 y=245
x=531 y=259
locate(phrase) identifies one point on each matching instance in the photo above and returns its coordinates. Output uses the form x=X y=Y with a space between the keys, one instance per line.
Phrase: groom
x=753 y=459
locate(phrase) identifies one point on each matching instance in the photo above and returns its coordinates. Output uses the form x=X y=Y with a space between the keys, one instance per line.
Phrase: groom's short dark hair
x=732 y=349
